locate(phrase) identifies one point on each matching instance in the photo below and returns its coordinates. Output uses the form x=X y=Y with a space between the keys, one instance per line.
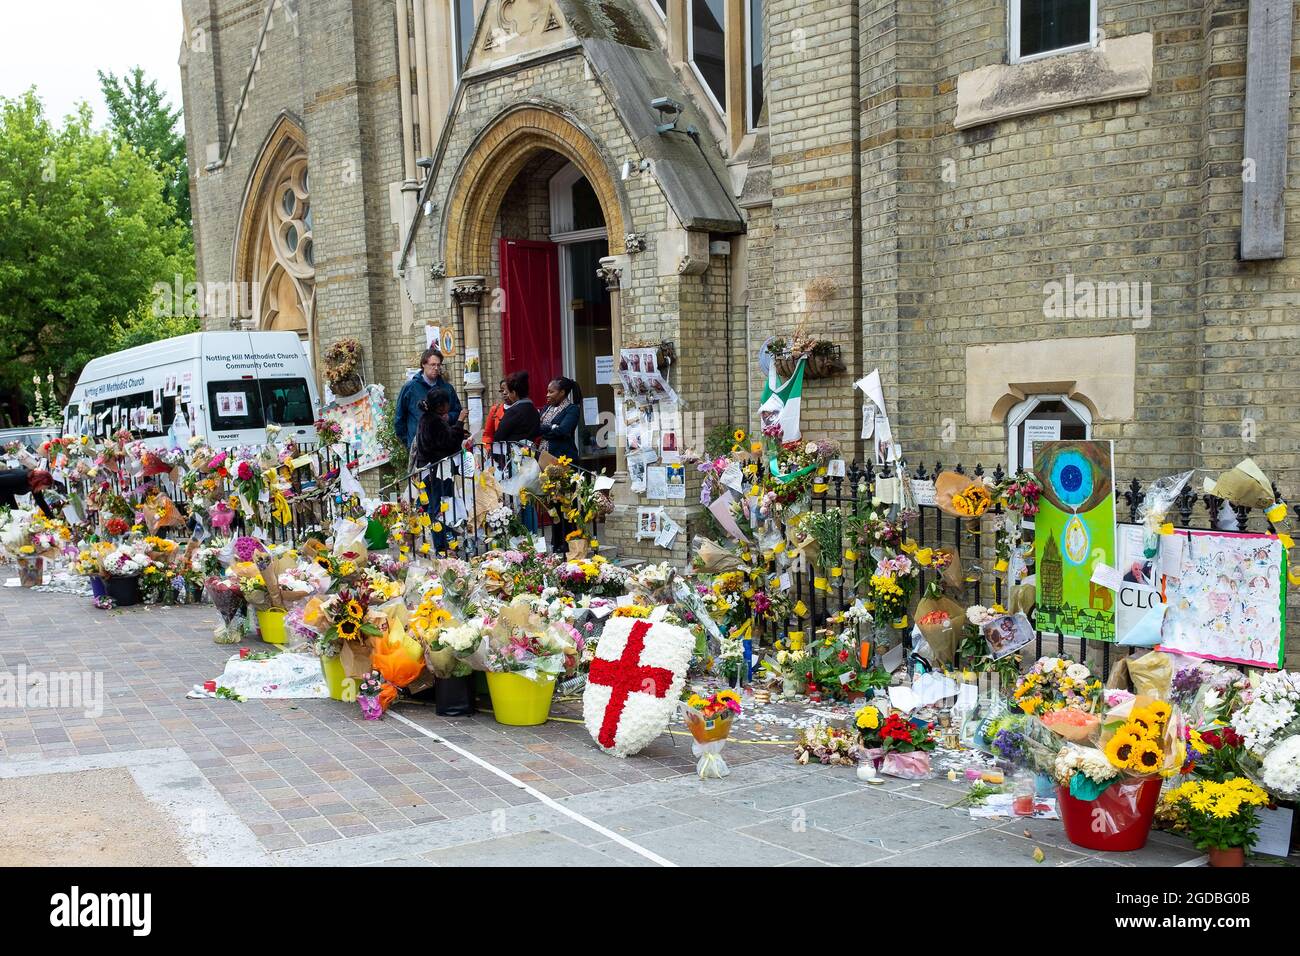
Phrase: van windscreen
x=235 y=404
x=286 y=401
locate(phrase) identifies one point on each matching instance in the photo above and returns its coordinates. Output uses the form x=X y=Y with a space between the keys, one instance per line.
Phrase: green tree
x=146 y=324
x=141 y=115
x=85 y=232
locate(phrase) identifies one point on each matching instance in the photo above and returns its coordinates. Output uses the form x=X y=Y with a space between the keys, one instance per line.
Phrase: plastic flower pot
x=454 y=696
x=1044 y=785
x=1119 y=819
x=331 y=669
x=518 y=701
x=124 y=591
x=270 y=621
x=98 y=588
x=31 y=571
x=1228 y=856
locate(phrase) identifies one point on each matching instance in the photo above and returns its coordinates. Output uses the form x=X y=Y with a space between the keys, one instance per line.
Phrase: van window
x=235 y=404
x=286 y=401
x=125 y=405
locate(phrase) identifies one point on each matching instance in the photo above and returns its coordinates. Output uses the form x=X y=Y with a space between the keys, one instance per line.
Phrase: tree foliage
x=85 y=231
x=140 y=114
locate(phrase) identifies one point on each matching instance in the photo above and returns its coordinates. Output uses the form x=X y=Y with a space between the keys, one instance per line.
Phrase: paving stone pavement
x=315 y=784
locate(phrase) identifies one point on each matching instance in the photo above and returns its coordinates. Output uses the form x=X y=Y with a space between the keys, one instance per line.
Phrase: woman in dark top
x=562 y=419
x=521 y=420
x=22 y=481
x=436 y=439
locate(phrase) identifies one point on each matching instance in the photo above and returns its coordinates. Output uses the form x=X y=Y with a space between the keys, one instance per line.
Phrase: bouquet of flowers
x=827 y=745
x=594 y=576
x=1269 y=726
x=530 y=637
x=328 y=432
x=1056 y=683
x=228 y=599
x=345 y=617
x=709 y=721
x=128 y=559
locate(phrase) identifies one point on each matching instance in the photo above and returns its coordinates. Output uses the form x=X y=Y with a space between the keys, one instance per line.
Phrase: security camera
x=425 y=162
x=668 y=108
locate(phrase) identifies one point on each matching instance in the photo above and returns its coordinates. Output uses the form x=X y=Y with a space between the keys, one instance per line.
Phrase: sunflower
x=354 y=609
x=349 y=629
x=1160 y=711
x=1120 y=748
x=1143 y=722
x=1146 y=757
x=738 y=435
x=725 y=695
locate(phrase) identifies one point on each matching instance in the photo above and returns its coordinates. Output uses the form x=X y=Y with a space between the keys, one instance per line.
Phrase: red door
x=530 y=327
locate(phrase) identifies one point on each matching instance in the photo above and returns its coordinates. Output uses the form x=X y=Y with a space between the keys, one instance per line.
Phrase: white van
x=224 y=386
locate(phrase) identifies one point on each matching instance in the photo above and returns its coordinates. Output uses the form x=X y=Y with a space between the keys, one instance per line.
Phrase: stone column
x=612 y=274
x=467 y=292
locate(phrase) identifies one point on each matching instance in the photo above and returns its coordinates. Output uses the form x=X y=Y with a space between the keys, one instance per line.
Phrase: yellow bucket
x=270 y=621
x=331 y=669
x=518 y=701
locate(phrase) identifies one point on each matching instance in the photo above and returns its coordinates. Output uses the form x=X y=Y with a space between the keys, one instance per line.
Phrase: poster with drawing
x=358 y=420
x=1228 y=599
x=1074 y=532
x=232 y=404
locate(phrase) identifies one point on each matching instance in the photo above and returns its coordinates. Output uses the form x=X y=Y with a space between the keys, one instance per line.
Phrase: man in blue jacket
x=407 y=414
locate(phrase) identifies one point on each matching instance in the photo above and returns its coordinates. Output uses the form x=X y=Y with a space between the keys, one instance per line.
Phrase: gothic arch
x=274 y=246
x=491 y=165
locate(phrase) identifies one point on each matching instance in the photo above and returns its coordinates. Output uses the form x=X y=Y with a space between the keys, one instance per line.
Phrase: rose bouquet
x=228 y=598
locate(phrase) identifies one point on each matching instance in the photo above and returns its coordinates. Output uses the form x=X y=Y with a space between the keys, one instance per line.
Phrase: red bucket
x=1118 y=820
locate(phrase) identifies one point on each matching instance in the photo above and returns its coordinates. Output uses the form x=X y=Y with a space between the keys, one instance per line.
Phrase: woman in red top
x=495 y=414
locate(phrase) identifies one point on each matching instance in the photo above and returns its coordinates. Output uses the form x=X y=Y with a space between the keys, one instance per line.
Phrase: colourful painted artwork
x=1074 y=531
x=1228 y=601
x=358 y=421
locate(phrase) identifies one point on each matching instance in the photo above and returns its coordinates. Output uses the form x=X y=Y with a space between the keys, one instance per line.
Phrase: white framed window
x=576 y=219
x=1043 y=418
x=706 y=47
x=754 y=27
x=661 y=6
x=463 y=22
x=1039 y=28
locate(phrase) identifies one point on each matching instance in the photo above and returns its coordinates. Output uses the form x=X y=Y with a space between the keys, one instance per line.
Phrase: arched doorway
x=275 y=248
x=534 y=209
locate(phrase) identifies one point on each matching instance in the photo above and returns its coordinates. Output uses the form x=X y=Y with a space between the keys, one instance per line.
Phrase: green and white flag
x=781 y=401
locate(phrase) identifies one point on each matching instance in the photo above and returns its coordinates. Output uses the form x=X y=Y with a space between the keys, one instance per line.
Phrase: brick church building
x=1023 y=212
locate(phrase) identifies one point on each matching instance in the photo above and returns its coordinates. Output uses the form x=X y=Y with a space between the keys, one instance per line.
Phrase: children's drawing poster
x=1228 y=601
x=1074 y=531
x=359 y=421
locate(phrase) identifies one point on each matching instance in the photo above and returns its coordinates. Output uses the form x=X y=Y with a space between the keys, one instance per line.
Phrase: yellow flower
x=424 y=548
x=1199 y=745
x=867 y=718
x=924 y=556
x=738 y=435
x=1160 y=710
x=1120 y=748
x=756 y=448
x=1146 y=757
x=354 y=609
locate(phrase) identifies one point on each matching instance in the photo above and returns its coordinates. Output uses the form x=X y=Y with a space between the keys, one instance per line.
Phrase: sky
x=57 y=45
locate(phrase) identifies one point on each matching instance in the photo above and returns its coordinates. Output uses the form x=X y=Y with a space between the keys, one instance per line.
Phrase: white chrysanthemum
x=1280 y=771
x=1077 y=672
x=460 y=639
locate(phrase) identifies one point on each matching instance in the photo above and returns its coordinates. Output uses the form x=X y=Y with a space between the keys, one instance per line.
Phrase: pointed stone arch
x=491 y=164
x=274 y=251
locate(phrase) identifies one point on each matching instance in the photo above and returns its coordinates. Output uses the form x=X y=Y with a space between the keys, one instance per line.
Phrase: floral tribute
x=635 y=683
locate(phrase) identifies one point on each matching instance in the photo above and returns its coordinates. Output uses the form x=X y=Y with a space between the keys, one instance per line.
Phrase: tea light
x=210 y=686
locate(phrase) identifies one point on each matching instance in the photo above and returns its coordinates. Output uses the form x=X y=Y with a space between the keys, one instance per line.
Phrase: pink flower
x=245 y=471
